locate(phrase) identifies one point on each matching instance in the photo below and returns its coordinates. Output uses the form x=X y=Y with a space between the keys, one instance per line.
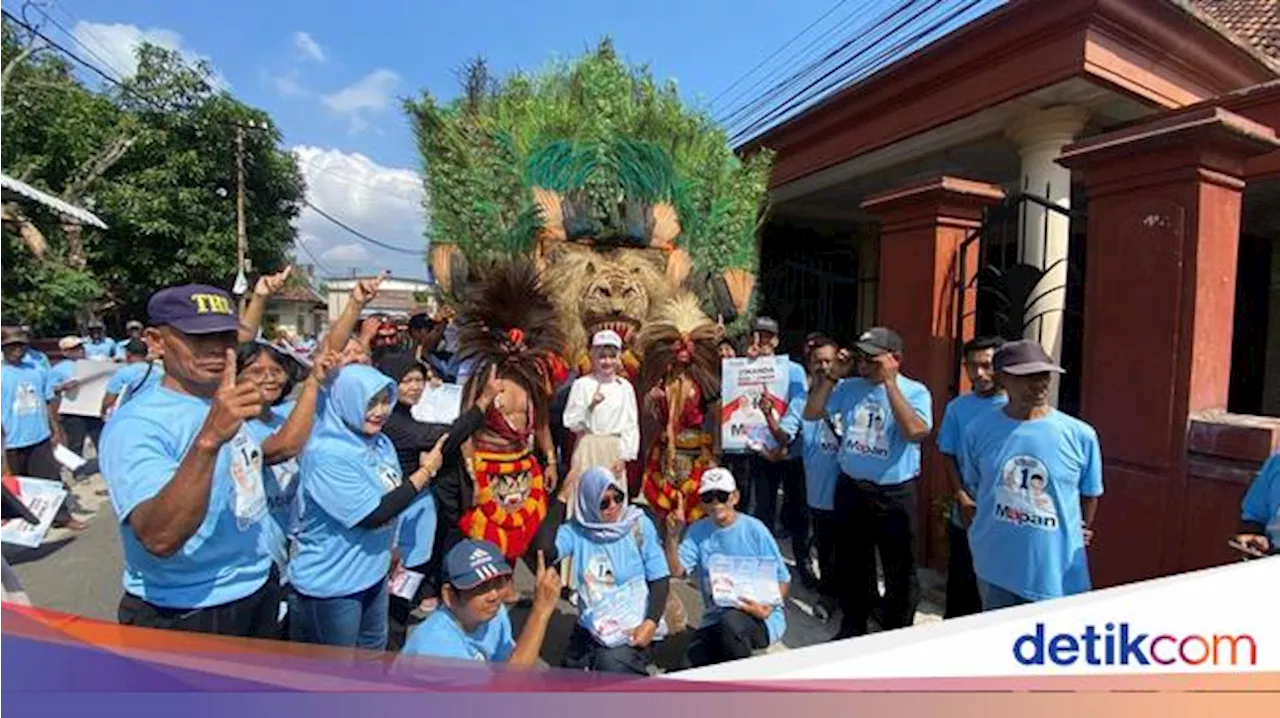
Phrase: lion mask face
x=605 y=289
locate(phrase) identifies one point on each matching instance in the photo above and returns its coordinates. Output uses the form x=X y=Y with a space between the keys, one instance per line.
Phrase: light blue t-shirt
x=38 y=357
x=793 y=419
x=603 y=566
x=281 y=486
x=821 y=447
x=872 y=448
x=344 y=475
x=959 y=413
x=1262 y=500
x=132 y=380
x=745 y=537
x=62 y=372
x=1028 y=478
x=224 y=560
x=104 y=348
x=26 y=389
x=441 y=636
x=417 y=536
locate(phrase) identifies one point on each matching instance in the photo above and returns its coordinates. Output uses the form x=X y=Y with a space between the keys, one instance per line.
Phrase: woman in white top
x=601 y=409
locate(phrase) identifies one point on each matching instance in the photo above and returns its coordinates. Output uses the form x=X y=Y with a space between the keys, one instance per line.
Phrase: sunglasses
x=610 y=499
x=715 y=497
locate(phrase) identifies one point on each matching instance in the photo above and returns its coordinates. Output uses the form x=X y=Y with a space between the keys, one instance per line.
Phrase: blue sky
x=332 y=75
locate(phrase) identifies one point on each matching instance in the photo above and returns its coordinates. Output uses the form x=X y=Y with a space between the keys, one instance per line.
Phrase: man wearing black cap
x=1036 y=474
x=98 y=345
x=882 y=417
x=765 y=475
x=185 y=478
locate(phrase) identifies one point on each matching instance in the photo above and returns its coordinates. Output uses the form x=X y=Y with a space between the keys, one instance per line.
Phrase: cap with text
x=879 y=340
x=606 y=338
x=471 y=563
x=1024 y=357
x=717 y=479
x=193 y=309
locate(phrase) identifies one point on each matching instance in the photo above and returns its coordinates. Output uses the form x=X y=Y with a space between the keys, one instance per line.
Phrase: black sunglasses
x=714 y=497
x=609 y=499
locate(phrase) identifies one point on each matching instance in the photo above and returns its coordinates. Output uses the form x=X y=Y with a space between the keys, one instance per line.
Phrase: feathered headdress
x=681 y=326
x=509 y=320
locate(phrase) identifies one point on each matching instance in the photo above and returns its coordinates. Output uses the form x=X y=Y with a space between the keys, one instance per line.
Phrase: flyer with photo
x=744 y=382
x=734 y=578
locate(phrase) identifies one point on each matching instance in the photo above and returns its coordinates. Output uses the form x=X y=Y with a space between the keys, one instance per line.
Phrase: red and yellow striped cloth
x=661 y=493
x=510 y=531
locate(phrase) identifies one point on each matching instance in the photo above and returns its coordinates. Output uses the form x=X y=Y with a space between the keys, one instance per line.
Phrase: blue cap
x=194 y=309
x=471 y=563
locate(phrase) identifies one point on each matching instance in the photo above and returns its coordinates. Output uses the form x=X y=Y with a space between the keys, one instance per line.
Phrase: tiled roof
x=297 y=293
x=1256 y=22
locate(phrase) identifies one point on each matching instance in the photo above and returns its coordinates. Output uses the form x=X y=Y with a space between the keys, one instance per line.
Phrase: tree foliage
x=476 y=148
x=157 y=162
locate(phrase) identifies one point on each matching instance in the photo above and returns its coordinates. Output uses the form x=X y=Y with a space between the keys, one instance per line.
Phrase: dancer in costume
x=681 y=377
x=509 y=322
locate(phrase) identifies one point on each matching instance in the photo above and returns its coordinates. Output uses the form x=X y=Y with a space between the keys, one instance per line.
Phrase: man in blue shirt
x=962 y=585
x=1259 y=532
x=473 y=624
x=1036 y=475
x=98 y=345
x=767 y=476
x=137 y=376
x=134 y=330
x=30 y=416
x=882 y=417
x=185 y=479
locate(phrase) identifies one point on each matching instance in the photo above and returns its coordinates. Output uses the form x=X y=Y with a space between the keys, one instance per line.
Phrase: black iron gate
x=1001 y=295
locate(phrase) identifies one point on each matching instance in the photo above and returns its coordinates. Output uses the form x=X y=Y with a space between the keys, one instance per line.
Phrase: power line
x=39 y=7
x=361 y=235
x=784 y=46
x=860 y=42
x=321 y=265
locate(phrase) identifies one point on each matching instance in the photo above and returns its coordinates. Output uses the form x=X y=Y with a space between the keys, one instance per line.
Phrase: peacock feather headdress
x=590 y=152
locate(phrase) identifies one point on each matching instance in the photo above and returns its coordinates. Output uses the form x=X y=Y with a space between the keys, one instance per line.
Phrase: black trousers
x=399 y=610
x=963 y=598
x=80 y=428
x=766 y=477
x=873 y=517
x=826 y=534
x=736 y=636
x=585 y=654
x=254 y=616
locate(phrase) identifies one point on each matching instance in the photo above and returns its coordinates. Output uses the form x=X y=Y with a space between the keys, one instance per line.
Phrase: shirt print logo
x=868 y=431
x=389 y=476
x=249 y=500
x=827 y=441
x=1022 y=496
x=27 y=400
x=598 y=576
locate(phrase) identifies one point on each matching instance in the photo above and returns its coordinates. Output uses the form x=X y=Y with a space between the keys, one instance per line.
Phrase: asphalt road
x=79 y=573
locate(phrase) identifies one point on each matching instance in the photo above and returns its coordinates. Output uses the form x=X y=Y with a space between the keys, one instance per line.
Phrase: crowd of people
x=248 y=474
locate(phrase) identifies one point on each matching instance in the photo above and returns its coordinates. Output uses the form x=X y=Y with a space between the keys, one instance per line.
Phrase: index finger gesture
x=229 y=370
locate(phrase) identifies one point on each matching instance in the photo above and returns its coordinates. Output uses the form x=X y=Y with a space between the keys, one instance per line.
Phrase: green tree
x=157 y=162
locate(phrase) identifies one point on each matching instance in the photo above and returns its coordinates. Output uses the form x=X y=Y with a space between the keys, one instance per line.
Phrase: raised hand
x=232 y=404
x=366 y=289
x=269 y=284
x=842 y=366
x=547 y=586
x=322 y=368
x=675 y=517
x=432 y=460
x=884 y=367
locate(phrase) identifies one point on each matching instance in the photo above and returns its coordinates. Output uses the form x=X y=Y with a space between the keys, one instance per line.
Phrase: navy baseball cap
x=471 y=563
x=193 y=309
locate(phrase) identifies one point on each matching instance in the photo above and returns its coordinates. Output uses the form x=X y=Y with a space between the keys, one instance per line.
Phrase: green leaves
x=596 y=117
x=168 y=196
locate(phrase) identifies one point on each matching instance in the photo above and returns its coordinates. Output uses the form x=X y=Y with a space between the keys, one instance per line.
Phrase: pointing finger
x=542 y=564
x=440 y=442
x=229 y=369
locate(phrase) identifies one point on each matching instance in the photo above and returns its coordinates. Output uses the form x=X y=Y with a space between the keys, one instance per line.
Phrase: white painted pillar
x=1044 y=234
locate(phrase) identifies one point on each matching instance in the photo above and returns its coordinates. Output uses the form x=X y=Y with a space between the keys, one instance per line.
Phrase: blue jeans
x=994 y=597
x=358 y=620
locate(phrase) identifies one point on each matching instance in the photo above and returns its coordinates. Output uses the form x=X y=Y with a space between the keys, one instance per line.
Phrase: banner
x=744 y=382
x=43 y=498
x=86 y=399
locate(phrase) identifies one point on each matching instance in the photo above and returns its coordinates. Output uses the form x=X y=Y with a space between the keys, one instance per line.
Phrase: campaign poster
x=744 y=381
x=86 y=399
x=42 y=498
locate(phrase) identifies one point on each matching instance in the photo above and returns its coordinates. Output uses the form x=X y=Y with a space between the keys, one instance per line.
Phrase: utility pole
x=242 y=240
